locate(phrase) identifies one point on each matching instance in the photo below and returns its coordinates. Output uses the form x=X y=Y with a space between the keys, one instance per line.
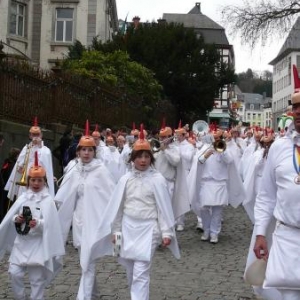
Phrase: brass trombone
x=219 y=146
x=23 y=180
x=156 y=144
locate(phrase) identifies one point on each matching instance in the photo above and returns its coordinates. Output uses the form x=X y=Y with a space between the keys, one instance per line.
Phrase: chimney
x=198 y=5
x=136 y=21
x=162 y=21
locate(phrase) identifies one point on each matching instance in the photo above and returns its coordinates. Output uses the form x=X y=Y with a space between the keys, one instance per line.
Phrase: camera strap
x=28 y=217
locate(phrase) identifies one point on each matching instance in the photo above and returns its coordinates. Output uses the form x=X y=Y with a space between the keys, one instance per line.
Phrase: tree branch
x=259 y=21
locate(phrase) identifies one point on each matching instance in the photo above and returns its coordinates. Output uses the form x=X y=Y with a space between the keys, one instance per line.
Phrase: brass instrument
x=219 y=146
x=156 y=144
x=23 y=180
x=200 y=127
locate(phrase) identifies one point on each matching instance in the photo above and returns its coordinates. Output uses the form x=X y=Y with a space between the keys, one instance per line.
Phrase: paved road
x=205 y=271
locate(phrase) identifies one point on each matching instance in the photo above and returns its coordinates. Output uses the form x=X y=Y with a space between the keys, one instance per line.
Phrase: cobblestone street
x=204 y=272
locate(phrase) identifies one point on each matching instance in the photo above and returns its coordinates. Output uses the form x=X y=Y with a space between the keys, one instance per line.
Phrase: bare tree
x=257 y=21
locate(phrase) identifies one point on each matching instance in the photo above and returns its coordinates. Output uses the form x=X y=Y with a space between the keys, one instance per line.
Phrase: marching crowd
x=127 y=194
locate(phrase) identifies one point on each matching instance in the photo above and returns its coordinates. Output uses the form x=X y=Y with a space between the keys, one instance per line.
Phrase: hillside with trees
x=253 y=82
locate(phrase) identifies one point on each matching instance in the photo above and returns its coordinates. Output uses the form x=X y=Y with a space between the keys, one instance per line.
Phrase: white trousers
x=290 y=294
x=212 y=219
x=36 y=275
x=138 y=276
x=88 y=283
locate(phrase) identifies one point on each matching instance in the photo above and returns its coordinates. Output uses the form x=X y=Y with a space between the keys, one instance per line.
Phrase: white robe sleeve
x=266 y=198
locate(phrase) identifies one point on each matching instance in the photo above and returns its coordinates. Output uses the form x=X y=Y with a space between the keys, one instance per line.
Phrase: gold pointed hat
x=180 y=129
x=87 y=140
x=134 y=131
x=96 y=132
x=141 y=143
x=36 y=170
x=165 y=131
x=35 y=129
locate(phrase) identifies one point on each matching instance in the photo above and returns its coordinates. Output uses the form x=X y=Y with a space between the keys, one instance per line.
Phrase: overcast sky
x=149 y=10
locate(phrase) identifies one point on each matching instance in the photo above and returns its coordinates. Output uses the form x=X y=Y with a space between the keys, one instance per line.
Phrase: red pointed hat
x=180 y=129
x=35 y=128
x=141 y=143
x=87 y=140
x=165 y=131
x=296 y=95
x=36 y=170
x=96 y=132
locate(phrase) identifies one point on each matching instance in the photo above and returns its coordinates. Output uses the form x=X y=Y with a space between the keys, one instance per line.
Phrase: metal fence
x=58 y=97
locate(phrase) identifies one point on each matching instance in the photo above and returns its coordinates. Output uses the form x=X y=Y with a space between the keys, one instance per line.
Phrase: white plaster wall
x=3 y=19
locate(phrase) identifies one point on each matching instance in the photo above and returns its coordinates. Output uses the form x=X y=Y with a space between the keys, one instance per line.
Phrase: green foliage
x=116 y=71
x=76 y=50
x=181 y=61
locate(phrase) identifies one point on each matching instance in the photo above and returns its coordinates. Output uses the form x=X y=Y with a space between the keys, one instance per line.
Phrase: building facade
x=212 y=33
x=255 y=110
x=283 y=80
x=42 y=30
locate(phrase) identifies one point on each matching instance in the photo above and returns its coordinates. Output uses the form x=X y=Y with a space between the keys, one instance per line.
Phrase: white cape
x=104 y=246
x=98 y=187
x=53 y=244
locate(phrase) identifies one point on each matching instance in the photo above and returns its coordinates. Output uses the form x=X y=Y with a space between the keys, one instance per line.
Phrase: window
x=64 y=25
x=17 y=18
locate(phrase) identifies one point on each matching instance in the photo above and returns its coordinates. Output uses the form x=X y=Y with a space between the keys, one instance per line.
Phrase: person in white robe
x=253 y=177
x=187 y=152
x=31 y=232
x=27 y=157
x=124 y=164
x=105 y=155
x=214 y=183
x=120 y=143
x=255 y=145
x=166 y=162
x=236 y=145
x=249 y=137
x=279 y=197
x=82 y=198
x=140 y=211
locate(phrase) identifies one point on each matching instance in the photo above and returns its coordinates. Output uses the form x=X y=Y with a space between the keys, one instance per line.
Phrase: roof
x=211 y=31
x=291 y=44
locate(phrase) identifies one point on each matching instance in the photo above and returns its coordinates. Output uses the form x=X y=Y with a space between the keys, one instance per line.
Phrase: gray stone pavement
x=204 y=272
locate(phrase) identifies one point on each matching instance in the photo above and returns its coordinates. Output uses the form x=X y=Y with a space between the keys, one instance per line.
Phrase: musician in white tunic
x=253 y=176
x=167 y=161
x=214 y=182
x=27 y=153
x=279 y=197
x=187 y=152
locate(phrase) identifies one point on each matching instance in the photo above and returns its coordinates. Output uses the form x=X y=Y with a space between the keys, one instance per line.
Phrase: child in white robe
x=82 y=199
x=32 y=233
x=142 y=211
